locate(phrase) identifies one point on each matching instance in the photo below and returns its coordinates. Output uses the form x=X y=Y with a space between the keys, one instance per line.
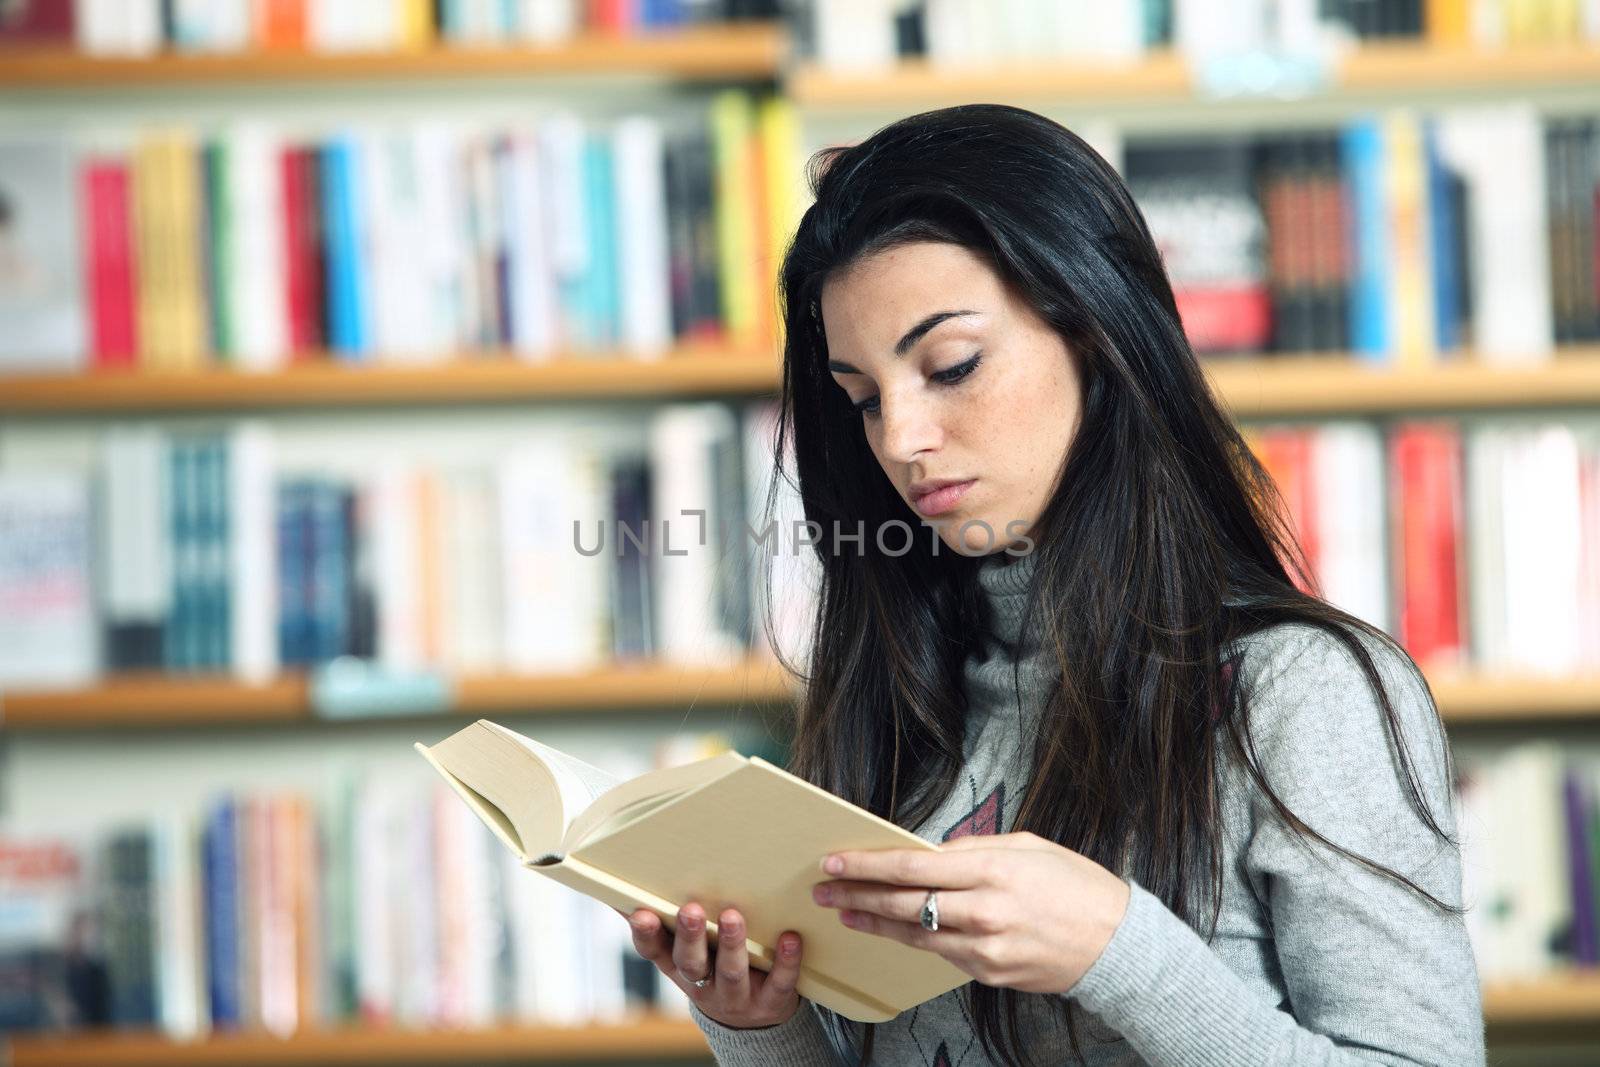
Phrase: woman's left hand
x=1015 y=910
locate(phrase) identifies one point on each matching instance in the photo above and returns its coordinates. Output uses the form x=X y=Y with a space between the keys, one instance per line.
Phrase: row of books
x=1401 y=237
x=255 y=249
x=144 y=27
x=1474 y=544
x=193 y=551
x=384 y=901
x=378 y=900
x=847 y=34
x=1529 y=822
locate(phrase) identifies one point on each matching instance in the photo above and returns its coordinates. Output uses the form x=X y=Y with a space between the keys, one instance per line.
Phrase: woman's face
x=957 y=380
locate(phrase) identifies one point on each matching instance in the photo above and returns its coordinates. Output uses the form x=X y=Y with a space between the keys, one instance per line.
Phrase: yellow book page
x=754 y=839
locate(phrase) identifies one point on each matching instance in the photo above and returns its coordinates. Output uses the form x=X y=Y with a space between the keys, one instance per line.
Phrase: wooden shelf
x=1467 y=699
x=1565 y=1000
x=1165 y=77
x=1571 y=1000
x=737 y=50
x=158 y=700
x=1262 y=387
x=654 y=1038
x=1335 y=384
x=326 y=382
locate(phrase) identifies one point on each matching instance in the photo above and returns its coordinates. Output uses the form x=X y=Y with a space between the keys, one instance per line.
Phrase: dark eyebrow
x=913 y=335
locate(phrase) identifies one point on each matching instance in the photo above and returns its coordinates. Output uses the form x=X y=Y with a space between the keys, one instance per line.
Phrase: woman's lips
x=943 y=499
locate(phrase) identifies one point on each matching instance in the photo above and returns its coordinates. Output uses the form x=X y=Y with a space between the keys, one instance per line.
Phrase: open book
x=726 y=831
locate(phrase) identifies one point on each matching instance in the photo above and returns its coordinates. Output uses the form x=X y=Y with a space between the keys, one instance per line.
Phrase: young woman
x=1188 y=814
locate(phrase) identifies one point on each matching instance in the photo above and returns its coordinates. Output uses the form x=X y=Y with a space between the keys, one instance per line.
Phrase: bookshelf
x=1164 y=77
x=1162 y=83
x=1260 y=388
x=1567 y=1001
x=475 y=378
x=735 y=51
x=160 y=700
x=654 y=1037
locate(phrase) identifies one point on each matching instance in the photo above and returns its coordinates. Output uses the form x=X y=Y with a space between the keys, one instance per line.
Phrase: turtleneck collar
x=1004 y=581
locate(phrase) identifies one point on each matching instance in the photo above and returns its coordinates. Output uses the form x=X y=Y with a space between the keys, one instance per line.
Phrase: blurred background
x=322 y=320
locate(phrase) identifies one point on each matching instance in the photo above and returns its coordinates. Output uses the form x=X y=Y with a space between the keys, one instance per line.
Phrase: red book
x=1287 y=455
x=302 y=255
x=1426 y=475
x=109 y=264
x=610 y=16
x=36 y=22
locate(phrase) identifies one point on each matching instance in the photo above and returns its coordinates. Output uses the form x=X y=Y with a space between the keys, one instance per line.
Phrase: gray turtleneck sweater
x=1315 y=961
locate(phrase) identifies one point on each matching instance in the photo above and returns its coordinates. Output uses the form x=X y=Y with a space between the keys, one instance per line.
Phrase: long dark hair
x=1164 y=543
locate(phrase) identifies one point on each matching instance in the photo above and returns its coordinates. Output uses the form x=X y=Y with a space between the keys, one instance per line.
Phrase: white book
x=1485 y=536
x=48 y=629
x=334 y=25
x=548 y=21
x=377 y=877
x=406 y=324
x=179 y=945
x=42 y=304
x=1589 y=581
x=253 y=544
x=556 y=598
x=947 y=32
x=397 y=561
x=641 y=209
x=466 y=924
x=566 y=220
x=134 y=551
x=689 y=546
x=471 y=536
x=1351 y=528
x=854 y=34
x=118 y=27
x=1540 y=517
x=418 y=903
x=442 y=254
x=786 y=574
x=1499 y=151
x=256 y=274
x=1529 y=879
x=532 y=277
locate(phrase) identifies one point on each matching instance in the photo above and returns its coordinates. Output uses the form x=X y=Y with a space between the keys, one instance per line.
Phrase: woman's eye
x=959 y=371
x=869 y=407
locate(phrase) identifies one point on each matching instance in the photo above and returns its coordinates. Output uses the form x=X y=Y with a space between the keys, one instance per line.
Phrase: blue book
x=178 y=647
x=219 y=628
x=329 y=586
x=219 y=869
x=604 y=306
x=293 y=547
x=1444 y=221
x=661 y=13
x=343 y=241
x=1365 y=161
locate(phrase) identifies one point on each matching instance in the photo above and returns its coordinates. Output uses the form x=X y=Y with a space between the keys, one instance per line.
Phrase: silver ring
x=930 y=911
x=701 y=983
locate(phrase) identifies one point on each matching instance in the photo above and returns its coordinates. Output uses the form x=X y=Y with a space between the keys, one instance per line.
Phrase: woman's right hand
x=738 y=995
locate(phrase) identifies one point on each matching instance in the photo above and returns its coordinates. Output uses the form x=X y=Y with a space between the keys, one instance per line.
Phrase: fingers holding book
x=729 y=990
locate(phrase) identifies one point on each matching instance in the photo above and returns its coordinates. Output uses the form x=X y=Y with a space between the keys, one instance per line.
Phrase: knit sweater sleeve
x=1374 y=973
x=799 y=1041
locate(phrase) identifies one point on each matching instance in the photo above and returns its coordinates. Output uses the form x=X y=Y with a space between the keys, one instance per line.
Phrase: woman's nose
x=909 y=428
